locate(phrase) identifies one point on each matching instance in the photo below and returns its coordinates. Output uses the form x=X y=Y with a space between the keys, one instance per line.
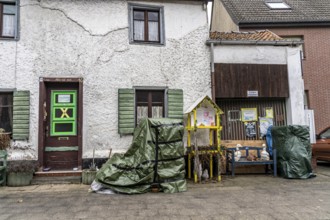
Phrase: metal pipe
x=212 y=73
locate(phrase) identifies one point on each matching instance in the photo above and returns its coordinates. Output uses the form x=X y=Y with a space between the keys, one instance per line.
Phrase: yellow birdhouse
x=204 y=114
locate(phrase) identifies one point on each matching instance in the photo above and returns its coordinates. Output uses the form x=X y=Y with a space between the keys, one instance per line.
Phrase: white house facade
x=78 y=75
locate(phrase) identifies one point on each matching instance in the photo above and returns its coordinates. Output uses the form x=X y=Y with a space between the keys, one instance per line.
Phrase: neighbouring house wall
x=221 y=20
x=279 y=55
x=295 y=102
x=249 y=54
x=90 y=39
x=316 y=67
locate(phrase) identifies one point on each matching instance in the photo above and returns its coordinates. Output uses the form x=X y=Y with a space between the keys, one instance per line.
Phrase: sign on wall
x=264 y=125
x=250 y=129
x=252 y=93
x=249 y=114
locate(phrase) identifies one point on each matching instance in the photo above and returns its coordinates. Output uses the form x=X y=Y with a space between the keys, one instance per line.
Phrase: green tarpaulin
x=155 y=158
x=294 y=152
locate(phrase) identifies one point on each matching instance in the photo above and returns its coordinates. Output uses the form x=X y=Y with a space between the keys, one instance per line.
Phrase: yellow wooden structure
x=204 y=114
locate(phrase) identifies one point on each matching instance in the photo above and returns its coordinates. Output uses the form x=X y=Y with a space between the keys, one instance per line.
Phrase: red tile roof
x=264 y=35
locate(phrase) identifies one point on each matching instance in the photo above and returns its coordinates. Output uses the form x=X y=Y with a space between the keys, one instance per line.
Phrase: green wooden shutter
x=175 y=103
x=21 y=115
x=126 y=111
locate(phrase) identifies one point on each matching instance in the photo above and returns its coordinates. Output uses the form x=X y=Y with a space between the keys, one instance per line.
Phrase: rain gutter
x=252 y=42
x=320 y=23
x=212 y=73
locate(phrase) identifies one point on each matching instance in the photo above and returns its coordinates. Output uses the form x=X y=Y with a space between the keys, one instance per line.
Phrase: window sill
x=8 y=39
x=147 y=43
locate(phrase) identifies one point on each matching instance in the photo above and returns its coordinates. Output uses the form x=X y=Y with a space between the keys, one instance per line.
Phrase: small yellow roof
x=207 y=100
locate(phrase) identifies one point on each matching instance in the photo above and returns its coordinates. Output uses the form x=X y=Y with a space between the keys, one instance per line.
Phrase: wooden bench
x=230 y=159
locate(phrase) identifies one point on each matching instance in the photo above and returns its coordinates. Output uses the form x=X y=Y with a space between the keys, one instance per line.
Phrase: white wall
x=271 y=55
x=249 y=54
x=295 y=103
x=90 y=39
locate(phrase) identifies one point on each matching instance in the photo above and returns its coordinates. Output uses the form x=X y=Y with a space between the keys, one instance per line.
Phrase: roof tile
x=256 y=11
x=264 y=35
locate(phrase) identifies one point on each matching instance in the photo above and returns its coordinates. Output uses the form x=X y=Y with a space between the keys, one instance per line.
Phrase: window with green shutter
x=21 y=115
x=135 y=104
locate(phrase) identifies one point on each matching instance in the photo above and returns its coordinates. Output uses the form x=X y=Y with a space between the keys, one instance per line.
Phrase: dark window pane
x=157 y=98
x=138 y=15
x=142 y=96
x=63 y=127
x=153 y=16
x=6 y=111
x=6 y=118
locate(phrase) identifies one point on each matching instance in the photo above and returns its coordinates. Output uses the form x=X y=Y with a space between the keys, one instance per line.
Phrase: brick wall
x=316 y=69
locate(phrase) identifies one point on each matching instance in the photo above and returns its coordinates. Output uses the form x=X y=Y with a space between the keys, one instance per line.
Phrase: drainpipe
x=212 y=73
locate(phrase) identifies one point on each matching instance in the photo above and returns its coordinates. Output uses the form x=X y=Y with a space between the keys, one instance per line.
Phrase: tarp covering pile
x=155 y=158
x=294 y=151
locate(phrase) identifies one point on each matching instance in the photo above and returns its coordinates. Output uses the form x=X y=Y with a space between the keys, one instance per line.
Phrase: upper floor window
x=146 y=24
x=8 y=20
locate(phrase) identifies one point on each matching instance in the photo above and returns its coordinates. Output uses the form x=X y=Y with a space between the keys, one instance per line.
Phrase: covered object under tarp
x=155 y=158
x=294 y=152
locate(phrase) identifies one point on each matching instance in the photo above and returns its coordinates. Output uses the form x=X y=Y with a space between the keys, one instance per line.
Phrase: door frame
x=42 y=98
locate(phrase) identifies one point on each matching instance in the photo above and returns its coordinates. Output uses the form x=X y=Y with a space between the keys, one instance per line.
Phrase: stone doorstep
x=57 y=173
x=56 y=177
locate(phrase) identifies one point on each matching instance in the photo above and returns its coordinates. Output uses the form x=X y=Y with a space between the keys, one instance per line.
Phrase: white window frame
x=131 y=8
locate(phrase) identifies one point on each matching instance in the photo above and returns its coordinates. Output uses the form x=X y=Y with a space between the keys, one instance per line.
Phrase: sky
x=209 y=9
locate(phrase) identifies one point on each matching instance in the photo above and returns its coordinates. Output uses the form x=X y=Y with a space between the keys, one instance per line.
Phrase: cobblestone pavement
x=242 y=197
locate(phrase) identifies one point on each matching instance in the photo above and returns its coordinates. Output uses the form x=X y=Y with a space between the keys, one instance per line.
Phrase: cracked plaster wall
x=89 y=39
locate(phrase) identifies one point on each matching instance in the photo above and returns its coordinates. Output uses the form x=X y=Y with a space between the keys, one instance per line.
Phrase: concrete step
x=57 y=177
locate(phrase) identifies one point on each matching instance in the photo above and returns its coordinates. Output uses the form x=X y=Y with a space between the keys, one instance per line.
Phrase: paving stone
x=242 y=197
